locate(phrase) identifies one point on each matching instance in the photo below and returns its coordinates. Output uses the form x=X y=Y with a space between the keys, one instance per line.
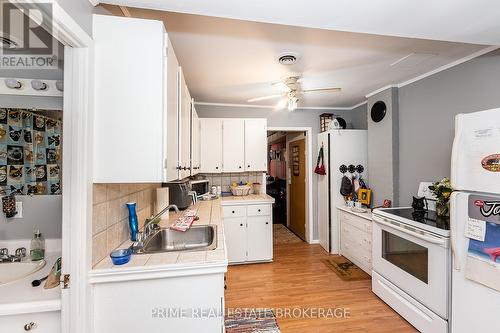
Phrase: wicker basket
x=241 y=190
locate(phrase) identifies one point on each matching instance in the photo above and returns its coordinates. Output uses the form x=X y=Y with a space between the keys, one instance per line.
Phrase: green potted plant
x=442 y=190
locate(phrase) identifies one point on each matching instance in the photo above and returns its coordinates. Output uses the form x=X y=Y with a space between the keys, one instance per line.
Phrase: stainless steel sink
x=197 y=238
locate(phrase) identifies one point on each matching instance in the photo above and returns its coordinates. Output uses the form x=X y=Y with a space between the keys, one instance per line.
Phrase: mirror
x=378 y=111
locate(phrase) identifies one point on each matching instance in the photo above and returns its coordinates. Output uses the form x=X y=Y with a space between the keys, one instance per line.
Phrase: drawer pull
x=233 y=211
x=30 y=326
x=267 y=222
x=258 y=210
x=241 y=224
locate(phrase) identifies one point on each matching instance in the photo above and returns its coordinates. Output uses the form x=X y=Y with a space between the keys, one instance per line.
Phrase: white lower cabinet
x=356 y=239
x=248 y=232
x=39 y=322
x=187 y=304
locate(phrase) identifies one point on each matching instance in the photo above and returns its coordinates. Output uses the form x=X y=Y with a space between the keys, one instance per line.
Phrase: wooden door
x=233 y=145
x=211 y=145
x=297 y=161
x=255 y=145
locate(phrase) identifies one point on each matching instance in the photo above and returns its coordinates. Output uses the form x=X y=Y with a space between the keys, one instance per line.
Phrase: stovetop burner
x=428 y=217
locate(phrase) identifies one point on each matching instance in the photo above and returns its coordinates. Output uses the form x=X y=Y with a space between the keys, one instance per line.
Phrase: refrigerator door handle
x=453 y=234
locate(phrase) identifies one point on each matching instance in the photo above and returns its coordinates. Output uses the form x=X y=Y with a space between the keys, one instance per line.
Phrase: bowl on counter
x=241 y=190
x=120 y=256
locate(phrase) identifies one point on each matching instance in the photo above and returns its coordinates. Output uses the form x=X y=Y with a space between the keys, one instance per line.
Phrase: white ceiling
x=230 y=61
x=469 y=21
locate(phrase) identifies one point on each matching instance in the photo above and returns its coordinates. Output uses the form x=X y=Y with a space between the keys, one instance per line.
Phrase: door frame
x=76 y=314
x=309 y=176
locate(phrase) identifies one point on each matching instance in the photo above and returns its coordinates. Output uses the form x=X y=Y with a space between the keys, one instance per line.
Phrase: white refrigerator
x=475 y=223
x=340 y=147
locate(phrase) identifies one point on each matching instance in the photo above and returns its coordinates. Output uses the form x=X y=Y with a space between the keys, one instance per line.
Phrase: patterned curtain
x=30 y=153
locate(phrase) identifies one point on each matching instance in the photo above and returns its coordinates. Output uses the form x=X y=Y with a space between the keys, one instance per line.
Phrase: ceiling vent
x=288 y=58
x=7 y=43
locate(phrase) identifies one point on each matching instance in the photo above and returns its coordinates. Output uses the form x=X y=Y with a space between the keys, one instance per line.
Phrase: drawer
x=259 y=210
x=234 y=211
x=43 y=322
x=356 y=221
x=361 y=238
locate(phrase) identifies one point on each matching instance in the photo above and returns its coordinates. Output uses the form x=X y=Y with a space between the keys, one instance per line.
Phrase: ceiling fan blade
x=263 y=98
x=322 y=90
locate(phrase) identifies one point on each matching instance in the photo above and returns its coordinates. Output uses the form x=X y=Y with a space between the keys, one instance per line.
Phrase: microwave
x=200 y=186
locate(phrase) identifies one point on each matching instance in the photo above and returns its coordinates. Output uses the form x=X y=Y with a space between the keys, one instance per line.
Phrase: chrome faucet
x=149 y=227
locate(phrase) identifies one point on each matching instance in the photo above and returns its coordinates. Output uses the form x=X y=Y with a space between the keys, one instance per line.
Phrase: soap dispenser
x=37 y=247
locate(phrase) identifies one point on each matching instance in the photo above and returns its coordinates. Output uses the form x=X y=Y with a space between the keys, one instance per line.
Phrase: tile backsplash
x=110 y=214
x=225 y=179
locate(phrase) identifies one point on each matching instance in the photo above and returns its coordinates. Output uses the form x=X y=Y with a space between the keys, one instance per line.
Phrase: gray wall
x=42 y=212
x=383 y=149
x=427 y=110
x=284 y=118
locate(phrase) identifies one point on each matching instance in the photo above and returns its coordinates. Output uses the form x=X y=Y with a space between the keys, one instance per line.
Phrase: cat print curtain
x=30 y=153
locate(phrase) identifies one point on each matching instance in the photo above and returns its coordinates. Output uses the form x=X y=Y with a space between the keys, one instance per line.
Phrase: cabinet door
x=171 y=143
x=233 y=145
x=184 y=127
x=129 y=100
x=211 y=145
x=195 y=141
x=235 y=231
x=255 y=145
x=259 y=238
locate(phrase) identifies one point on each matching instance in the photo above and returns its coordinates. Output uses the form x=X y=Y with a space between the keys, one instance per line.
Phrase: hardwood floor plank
x=298 y=279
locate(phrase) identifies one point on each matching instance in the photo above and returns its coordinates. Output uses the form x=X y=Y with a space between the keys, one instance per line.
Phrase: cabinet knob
x=239 y=167
x=248 y=166
x=30 y=326
x=258 y=210
x=233 y=211
x=217 y=167
x=241 y=224
x=267 y=222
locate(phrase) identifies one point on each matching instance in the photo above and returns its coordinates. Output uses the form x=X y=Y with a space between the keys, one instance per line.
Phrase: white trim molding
x=258 y=106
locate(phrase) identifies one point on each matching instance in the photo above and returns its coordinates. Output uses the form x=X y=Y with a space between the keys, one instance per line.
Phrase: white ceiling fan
x=291 y=90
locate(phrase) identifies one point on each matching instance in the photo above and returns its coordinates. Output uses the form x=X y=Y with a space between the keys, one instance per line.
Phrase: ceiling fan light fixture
x=292 y=102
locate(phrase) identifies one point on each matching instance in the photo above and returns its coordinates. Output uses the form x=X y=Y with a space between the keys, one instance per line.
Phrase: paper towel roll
x=161 y=200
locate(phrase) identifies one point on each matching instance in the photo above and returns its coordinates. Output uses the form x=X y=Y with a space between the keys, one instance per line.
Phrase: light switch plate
x=19 y=209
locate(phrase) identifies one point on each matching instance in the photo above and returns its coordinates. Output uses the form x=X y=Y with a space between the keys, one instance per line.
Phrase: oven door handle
x=396 y=226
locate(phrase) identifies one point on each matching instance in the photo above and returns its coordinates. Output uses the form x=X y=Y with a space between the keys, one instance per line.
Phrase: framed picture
x=365 y=196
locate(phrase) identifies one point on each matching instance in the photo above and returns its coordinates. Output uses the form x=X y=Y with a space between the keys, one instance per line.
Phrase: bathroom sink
x=13 y=271
x=197 y=238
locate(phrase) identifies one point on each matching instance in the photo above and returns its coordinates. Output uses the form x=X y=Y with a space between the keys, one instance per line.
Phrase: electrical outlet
x=19 y=209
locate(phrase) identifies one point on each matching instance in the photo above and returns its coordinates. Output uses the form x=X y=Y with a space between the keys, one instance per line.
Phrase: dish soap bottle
x=37 y=246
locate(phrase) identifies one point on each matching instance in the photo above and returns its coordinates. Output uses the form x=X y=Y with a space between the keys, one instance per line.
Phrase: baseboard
x=314 y=241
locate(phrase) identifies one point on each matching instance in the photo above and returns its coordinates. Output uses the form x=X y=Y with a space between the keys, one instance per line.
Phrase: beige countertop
x=209 y=213
x=247 y=199
x=367 y=215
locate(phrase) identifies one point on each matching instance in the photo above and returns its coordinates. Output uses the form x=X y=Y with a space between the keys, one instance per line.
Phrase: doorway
x=288 y=180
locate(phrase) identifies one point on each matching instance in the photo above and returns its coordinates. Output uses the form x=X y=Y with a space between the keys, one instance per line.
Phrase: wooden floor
x=298 y=279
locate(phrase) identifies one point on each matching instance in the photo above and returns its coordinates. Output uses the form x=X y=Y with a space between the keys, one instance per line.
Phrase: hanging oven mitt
x=320 y=165
x=345 y=186
x=54 y=277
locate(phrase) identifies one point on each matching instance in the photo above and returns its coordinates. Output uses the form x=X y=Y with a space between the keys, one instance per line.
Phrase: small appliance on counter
x=178 y=193
x=200 y=186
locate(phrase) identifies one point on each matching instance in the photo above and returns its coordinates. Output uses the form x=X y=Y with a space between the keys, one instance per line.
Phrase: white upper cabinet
x=172 y=138
x=233 y=145
x=211 y=145
x=184 y=127
x=130 y=121
x=195 y=141
x=255 y=144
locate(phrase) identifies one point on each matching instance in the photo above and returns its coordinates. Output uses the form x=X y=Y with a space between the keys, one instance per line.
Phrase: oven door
x=416 y=261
